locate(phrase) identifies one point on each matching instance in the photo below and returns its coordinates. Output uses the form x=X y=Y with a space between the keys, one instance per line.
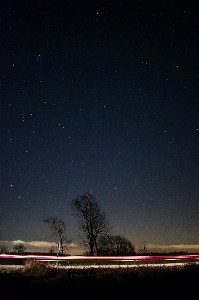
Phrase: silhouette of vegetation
x=115 y=245
x=38 y=269
x=58 y=228
x=52 y=249
x=92 y=220
x=4 y=249
x=143 y=248
x=41 y=281
x=19 y=248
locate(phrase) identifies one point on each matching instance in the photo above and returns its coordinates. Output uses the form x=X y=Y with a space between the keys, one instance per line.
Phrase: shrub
x=38 y=269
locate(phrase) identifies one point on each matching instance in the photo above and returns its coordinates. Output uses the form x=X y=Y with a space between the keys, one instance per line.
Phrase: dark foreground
x=38 y=281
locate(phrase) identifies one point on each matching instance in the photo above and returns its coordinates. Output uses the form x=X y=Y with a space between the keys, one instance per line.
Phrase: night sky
x=100 y=97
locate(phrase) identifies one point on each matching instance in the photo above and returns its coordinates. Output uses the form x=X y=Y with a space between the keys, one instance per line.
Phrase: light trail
x=101 y=262
x=135 y=259
x=123 y=266
x=82 y=267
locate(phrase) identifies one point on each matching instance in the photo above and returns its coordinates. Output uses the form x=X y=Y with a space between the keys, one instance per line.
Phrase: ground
x=178 y=284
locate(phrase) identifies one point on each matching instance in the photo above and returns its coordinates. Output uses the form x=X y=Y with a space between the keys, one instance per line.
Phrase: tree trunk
x=62 y=248
x=91 y=246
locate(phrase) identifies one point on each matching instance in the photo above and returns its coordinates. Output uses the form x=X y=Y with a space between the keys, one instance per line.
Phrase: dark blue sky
x=102 y=98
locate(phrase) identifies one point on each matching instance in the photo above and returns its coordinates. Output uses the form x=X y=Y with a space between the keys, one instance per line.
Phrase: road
x=6 y=267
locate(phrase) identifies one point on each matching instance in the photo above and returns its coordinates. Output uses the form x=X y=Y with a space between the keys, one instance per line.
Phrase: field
x=39 y=280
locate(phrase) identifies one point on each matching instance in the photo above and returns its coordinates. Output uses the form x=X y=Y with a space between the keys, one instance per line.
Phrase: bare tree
x=115 y=245
x=4 y=249
x=58 y=228
x=143 y=248
x=52 y=250
x=92 y=220
x=19 y=248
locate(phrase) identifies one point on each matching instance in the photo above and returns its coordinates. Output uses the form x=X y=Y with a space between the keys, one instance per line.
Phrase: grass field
x=38 y=280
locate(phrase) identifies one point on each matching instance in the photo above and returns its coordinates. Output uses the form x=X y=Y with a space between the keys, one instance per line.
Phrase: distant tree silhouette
x=19 y=248
x=143 y=248
x=115 y=245
x=58 y=228
x=4 y=249
x=52 y=249
x=92 y=220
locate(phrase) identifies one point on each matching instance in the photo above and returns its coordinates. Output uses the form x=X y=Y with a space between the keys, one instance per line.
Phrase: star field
x=101 y=98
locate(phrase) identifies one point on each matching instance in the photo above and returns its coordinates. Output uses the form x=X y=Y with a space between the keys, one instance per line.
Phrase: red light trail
x=136 y=258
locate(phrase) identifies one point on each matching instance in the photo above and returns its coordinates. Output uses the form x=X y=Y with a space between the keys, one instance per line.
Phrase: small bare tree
x=4 y=249
x=19 y=248
x=92 y=220
x=58 y=228
x=52 y=250
x=143 y=248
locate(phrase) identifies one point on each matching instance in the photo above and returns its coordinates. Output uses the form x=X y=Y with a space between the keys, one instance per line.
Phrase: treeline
x=95 y=227
x=18 y=248
x=96 y=233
